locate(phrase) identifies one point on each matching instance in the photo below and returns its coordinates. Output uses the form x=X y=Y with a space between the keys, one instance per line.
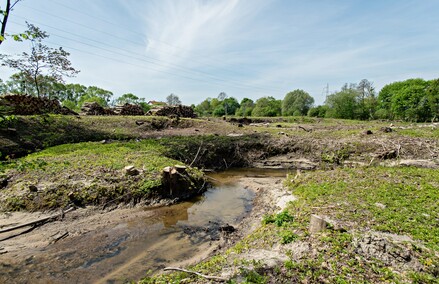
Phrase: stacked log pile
x=129 y=109
x=95 y=109
x=28 y=105
x=179 y=111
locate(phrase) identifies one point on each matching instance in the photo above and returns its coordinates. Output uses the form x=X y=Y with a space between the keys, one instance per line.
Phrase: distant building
x=156 y=103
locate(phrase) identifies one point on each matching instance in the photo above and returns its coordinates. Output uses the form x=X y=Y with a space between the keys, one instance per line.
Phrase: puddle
x=127 y=250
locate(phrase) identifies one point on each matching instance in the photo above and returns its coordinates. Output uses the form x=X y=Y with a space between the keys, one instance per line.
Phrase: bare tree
x=9 y=5
x=222 y=96
x=173 y=100
x=42 y=60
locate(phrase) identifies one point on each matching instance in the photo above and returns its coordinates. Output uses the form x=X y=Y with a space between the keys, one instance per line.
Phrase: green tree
x=95 y=94
x=433 y=98
x=204 y=108
x=342 y=104
x=267 y=106
x=6 y=12
x=318 y=111
x=219 y=111
x=103 y=94
x=42 y=61
x=246 y=107
x=128 y=98
x=297 y=102
x=407 y=100
x=230 y=105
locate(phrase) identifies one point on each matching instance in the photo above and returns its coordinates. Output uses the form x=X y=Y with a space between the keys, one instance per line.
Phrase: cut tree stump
x=317 y=224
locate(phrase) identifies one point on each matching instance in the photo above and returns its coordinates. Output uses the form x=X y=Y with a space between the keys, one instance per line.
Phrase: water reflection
x=129 y=249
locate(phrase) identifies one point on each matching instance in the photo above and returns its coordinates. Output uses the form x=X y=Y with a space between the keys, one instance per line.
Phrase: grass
x=401 y=201
x=409 y=195
x=86 y=173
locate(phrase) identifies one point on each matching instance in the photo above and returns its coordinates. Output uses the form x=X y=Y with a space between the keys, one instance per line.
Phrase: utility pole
x=326 y=90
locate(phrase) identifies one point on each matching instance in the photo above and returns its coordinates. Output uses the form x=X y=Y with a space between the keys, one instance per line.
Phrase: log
x=37 y=222
x=28 y=105
x=175 y=111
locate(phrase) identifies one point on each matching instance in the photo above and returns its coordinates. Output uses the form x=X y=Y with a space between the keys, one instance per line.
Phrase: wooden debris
x=58 y=238
x=386 y=129
x=131 y=170
x=177 y=111
x=95 y=109
x=28 y=105
x=38 y=222
x=129 y=109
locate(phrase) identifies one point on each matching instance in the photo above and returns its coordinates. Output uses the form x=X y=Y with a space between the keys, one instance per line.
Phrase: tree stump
x=317 y=224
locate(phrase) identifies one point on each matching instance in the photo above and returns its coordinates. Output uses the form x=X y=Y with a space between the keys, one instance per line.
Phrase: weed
x=288 y=236
x=278 y=219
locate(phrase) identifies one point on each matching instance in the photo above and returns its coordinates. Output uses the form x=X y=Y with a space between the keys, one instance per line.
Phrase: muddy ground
x=43 y=254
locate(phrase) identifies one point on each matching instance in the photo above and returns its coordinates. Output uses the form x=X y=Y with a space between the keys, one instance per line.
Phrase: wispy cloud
x=192 y=32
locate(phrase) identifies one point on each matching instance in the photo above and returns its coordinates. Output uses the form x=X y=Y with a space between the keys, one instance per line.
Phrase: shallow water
x=163 y=236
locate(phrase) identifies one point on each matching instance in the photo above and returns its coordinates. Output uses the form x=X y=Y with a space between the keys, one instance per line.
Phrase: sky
x=246 y=48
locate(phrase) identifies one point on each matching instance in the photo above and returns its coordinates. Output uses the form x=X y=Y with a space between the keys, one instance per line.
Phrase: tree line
x=415 y=100
x=41 y=72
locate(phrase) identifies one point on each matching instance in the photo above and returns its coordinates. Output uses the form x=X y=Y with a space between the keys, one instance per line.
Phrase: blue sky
x=246 y=48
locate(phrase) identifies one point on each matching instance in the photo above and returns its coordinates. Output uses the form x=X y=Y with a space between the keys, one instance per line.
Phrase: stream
x=156 y=238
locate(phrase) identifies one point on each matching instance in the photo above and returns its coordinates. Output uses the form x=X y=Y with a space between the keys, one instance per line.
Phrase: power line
x=137 y=65
x=151 y=61
x=119 y=26
x=129 y=30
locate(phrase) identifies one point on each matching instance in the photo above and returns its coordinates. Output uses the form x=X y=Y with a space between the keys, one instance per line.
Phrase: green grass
x=409 y=195
x=86 y=173
x=350 y=197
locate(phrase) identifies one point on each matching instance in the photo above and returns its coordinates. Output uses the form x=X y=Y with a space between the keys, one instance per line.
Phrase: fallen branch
x=38 y=222
x=221 y=279
x=303 y=128
x=59 y=238
x=19 y=234
x=196 y=156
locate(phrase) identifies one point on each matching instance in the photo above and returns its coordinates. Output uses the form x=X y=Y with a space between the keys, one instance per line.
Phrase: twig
x=213 y=178
x=225 y=163
x=371 y=161
x=196 y=156
x=59 y=238
x=36 y=223
x=221 y=279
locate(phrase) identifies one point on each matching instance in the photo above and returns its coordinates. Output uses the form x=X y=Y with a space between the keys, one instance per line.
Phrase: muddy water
x=157 y=238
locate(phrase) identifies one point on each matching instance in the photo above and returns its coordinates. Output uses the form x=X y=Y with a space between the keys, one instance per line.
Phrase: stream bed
x=129 y=248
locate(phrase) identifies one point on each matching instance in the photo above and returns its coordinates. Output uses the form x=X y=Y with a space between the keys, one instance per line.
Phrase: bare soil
x=43 y=253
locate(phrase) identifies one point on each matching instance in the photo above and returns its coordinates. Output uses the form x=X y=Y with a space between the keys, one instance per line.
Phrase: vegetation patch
x=382 y=227
x=88 y=173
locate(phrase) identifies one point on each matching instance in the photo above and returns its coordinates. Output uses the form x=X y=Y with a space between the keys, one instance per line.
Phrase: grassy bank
x=383 y=228
x=86 y=173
